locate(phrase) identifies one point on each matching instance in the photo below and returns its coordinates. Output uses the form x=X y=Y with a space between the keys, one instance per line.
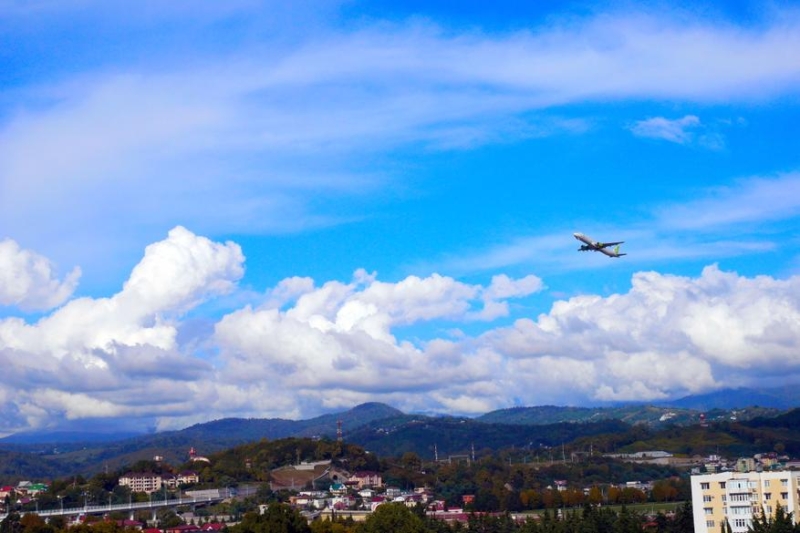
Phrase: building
x=366 y=479
x=141 y=481
x=738 y=497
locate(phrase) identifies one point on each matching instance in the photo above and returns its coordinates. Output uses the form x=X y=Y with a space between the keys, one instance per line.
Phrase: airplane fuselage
x=597 y=246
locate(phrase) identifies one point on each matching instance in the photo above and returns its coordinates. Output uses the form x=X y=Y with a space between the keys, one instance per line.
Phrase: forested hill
x=653 y=416
x=386 y=431
x=448 y=436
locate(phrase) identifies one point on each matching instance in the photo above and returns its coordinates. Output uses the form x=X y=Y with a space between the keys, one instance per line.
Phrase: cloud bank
x=307 y=348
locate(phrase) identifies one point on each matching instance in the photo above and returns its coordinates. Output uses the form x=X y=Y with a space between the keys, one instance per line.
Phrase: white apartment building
x=141 y=482
x=738 y=497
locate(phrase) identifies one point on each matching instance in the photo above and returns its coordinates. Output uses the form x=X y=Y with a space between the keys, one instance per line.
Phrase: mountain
x=67 y=437
x=653 y=416
x=777 y=398
x=386 y=431
x=427 y=436
x=88 y=456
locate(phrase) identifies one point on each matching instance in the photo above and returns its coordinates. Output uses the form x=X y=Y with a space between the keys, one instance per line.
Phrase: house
x=188 y=477
x=366 y=479
x=184 y=478
x=129 y=524
x=183 y=528
x=392 y=492
x=338 y=489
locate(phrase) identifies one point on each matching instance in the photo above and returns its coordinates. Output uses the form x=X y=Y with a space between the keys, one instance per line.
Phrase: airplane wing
x=601 y=245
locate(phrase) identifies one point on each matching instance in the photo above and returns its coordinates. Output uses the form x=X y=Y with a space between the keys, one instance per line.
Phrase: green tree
x=278 y=518
x=684 y=520
x=10 y=524
x=393 y=518
x=33 y=523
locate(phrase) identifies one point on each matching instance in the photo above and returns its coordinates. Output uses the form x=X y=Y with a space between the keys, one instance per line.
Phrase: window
x=709 y=524
x=784 y=483
x=708 y=510
x=767 y=495
x=722 y=484
x=766 y=483
x=724 y=497
x=769 y=509
x=707 y=498
x=739 y=522
x=705 y=486
x=784 y=495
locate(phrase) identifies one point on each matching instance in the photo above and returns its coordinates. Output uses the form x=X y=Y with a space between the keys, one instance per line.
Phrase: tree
x=393 y=517
x=10 y=524
x=684 y=520
x=33 y=523
x=278 y=518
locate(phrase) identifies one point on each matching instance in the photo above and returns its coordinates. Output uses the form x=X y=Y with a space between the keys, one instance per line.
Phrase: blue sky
x=255 y=209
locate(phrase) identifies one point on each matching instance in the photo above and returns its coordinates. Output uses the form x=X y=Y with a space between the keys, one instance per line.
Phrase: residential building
x=738 y=497
x=366 y=479
x=141 y=481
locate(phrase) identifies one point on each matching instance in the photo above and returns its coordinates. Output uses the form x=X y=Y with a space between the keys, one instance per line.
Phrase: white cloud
x=153 y=142
x=27 y=279
x=756 y=200
x=309 y=348
x=752 y=215
x=669 y=335
x=688 y=130
x=678 y=131
x=113 y=350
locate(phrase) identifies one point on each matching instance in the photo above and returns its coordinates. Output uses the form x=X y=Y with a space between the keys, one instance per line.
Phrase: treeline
x=397 y=518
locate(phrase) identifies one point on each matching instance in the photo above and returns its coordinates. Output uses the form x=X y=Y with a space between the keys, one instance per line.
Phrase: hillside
x=653 y=416
x=386 y=431
x=449 y=436
x=207 y=438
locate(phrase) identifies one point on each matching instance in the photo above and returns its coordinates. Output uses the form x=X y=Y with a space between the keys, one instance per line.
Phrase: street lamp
x=61 y=501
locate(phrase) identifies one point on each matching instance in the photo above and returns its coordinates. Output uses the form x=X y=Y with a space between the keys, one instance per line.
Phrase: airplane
x=596 y=246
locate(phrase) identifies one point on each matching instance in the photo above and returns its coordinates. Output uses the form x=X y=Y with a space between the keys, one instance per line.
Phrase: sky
x=283 y=209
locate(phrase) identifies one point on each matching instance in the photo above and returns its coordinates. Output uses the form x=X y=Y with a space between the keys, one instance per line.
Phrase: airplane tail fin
x=616 y=251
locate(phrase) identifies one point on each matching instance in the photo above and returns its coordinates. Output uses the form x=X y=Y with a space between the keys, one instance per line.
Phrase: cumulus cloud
x=668 y=335
x=308 y=347
x=104 y=348
x=28 y=280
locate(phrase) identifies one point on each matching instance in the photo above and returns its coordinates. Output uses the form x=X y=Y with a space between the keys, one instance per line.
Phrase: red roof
x=183 y=528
